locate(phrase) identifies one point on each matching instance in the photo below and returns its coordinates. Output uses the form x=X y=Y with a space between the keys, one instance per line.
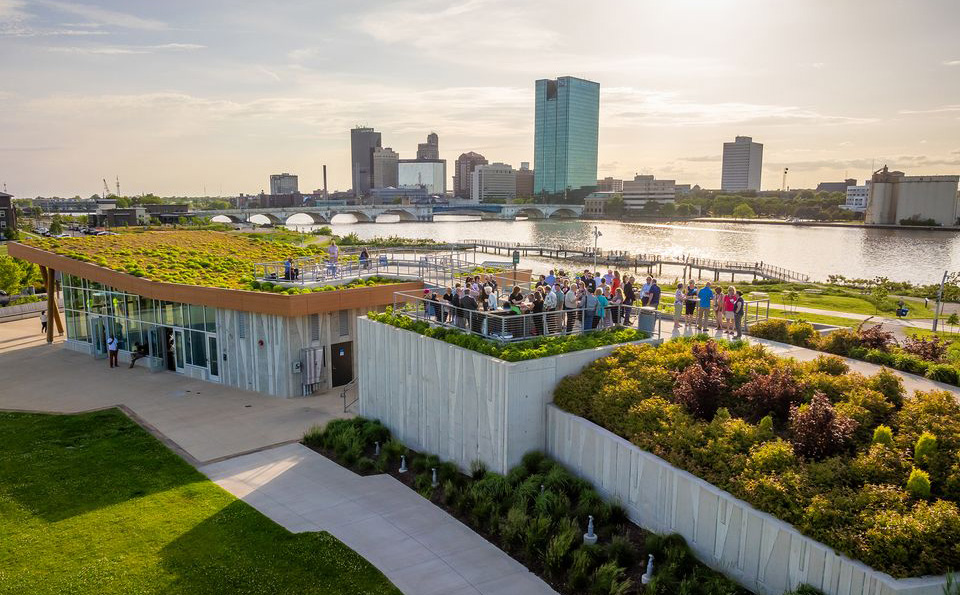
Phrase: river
x=899 y=254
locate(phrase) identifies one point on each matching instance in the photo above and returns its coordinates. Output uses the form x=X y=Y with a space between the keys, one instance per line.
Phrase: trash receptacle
x=647 y=319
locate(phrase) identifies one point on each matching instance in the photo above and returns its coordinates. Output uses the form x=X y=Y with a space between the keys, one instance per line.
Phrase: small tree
x=11 y=276
x=615 y=206
x=880 y=292
x=953 y=320
x=56 y=227
x=744 y=211
x=792 y=297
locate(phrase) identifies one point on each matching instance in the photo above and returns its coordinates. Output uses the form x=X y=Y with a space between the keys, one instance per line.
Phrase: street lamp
x=947 y=277
x=596 y=236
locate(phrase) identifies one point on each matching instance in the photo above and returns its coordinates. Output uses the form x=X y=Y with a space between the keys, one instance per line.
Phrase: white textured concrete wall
x=757 y=550
x=458 y=404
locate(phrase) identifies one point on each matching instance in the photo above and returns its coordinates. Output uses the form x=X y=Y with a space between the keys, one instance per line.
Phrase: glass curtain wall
x=135 y=319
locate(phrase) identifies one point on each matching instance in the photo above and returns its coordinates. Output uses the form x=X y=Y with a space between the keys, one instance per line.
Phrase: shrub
x=880 y=357
x=919 y=484
x=802 y=334
x=609 y=580
x=925 y=448
x=931 y=349
x=622 y=551
x=535 y=536
x=477 y=469
x=702 y=384
x=515 y=525
x=943 y=373
x=881 y=464
x=771 y=393
x=883 y=435
x=774 y=456
x=890 y=384
x=560 y=549
x=581 y=567
x=774 y=330
x=840 y=342
x=910 y=363
x=829 y=364
x=875 y=337
x=392 y=450
x=816 y=431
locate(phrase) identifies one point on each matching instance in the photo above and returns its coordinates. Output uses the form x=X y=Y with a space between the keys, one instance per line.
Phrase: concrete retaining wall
x=458 y=404
x=757 y=550
x=21 y=311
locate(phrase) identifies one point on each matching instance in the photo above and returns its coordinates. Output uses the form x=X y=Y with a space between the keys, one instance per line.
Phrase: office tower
x=645 y=189
x=742 y=161
x=431 y=173
x=524 y=180
x=385 y=167
x=496 y=181
x=610 y=184
x=283 y=184
x=429 y=149
x=462 y=169
x=565 y=134
x=362 y=143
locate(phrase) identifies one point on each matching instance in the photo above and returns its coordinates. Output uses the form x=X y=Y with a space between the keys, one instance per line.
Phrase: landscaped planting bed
x=202 y=258
x=933 y=357
x=847 y=459
x=511 y=352
x=537 y=513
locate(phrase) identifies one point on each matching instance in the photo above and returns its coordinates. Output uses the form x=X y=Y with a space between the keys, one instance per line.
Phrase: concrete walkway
x=419 y=547
x=204 y=420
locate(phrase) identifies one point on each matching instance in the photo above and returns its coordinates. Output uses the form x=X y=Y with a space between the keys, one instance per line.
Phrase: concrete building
x=742 y=163
x=525 y=178
x=385 y=167
x=609 y=184
x=595 y=203
x=857 y=197
x=895 y=198
x=495 y=181
x=71 y=205
x=429 y=150
x=567 y=116
x=362 y=143
x=8 y=215
x=401 y=195
x=284 y=184
x=644 y=189
x=168 y=213
x=462 y=169
x=430 y=173
x=111 y=216
x=836 y=186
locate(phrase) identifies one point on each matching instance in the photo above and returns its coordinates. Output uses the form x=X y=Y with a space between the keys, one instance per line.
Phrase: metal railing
x=505 y=325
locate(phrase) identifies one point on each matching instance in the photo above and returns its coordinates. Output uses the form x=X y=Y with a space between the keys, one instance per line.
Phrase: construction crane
x=106 y=189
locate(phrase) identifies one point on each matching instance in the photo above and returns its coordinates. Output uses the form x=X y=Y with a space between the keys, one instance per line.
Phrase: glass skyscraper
x=565 y=134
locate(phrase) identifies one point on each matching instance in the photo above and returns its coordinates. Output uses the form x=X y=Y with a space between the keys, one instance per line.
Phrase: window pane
x=210 y=315
x=197 y=320
x=146 y=310
x=98 y=302
x=132 y=306
x=199 y=347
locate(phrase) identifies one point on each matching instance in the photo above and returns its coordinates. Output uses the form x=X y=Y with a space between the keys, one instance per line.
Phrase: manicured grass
x=818 y=318
x=93 y=504
x=843 y=303
x=923 y=332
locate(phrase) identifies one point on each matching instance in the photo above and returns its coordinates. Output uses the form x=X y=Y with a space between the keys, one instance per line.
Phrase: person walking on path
x=706 y=303
x=333 y=255
x=43 y=321
x=738 y=309
x=729 y=309
x=113 y=350
x=691 y=302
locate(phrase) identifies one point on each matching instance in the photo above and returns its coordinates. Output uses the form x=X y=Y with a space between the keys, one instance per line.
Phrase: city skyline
x=175 y=98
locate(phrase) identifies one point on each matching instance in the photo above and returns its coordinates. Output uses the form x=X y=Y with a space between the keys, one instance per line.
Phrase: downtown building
x=643 y=190
x=284 y=184
x=386 y=163
x=525 y=180
x=427 y=170
x=567 y=114
x=363 y=141
x=895 y=198
x=742 y=163
x=462 y=170
x=494 y=182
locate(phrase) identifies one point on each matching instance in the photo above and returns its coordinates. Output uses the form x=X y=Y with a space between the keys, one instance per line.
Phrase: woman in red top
x=615 y=283
x=729 y=304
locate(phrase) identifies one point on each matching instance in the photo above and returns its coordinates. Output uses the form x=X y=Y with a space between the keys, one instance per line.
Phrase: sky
x=209 y=97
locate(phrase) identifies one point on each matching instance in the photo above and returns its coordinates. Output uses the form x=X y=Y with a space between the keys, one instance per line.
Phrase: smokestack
x=325 y=195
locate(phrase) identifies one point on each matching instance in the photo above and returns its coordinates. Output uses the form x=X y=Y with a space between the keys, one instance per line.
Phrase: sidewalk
x=419 y=547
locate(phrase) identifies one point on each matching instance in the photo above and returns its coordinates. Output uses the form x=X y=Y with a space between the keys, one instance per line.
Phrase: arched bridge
x=369 y=213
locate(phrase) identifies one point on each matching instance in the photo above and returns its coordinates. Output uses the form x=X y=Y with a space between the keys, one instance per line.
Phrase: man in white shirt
x=333 y=254
x=113 y=349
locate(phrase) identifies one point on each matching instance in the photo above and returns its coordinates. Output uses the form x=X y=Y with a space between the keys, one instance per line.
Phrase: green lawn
x=843 y=303
x=950 y=334
x=818 y=318
x=93 y=504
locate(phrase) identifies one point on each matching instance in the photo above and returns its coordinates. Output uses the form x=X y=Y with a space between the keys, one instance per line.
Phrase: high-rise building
x=609 y=184
x=462 y=170
x=742 y=161
x=525 y=180
x=362 y=143
x=431 y=173
x=496 y=181
x=283 y=184
x=385 y=167
x=645 y=189
x=8 y=215
x=567 y=118
x=429 y=149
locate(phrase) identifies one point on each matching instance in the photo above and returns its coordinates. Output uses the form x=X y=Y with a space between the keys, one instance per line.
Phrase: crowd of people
x=581 y=302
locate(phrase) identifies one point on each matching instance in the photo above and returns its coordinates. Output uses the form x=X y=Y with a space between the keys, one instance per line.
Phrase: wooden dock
x=651 y=263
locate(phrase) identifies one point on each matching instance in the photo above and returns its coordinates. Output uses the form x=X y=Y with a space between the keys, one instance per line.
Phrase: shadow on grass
x=238 y=550
x=58 y=466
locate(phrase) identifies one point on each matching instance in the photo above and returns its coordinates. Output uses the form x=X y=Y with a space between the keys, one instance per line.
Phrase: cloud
x=902 y=162
x=625 y=106
x=115 y=50
x=936 y=110
x=701 y=158
x=951 y=62
x=103 y=16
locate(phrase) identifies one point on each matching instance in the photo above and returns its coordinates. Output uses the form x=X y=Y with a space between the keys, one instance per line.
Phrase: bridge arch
x=359 y=215
x=531 y=213
x=229 y=218
x=316 y=218
x=403 y=214
x=563 y=213
x=270 y=217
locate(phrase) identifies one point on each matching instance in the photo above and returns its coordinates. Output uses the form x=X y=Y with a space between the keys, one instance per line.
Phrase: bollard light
x=376 y=449
x=434 y=483
x=403 y=464
x=590 y=538
x=648 y=575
